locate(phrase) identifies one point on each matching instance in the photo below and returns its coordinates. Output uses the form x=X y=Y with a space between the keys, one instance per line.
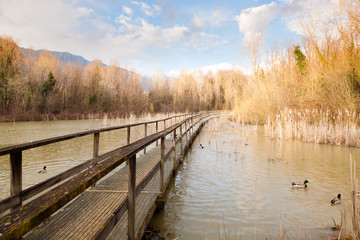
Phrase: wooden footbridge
x=111 y=196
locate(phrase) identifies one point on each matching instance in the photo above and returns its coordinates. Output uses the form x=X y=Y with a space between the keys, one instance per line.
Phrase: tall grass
x=311 y=89
x=330 y=127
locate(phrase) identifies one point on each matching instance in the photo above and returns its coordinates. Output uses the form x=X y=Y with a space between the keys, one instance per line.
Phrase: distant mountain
x=63 y=56
x=66 y=57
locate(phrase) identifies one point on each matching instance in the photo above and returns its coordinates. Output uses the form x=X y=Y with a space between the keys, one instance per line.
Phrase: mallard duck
x=43 y=170
x=336 y=200
x=201 y=145
x=300 y=185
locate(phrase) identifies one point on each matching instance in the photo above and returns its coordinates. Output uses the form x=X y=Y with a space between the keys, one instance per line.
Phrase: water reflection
x=239 y=185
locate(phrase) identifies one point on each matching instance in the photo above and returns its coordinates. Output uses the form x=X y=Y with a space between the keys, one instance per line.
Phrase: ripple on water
x=244 y=179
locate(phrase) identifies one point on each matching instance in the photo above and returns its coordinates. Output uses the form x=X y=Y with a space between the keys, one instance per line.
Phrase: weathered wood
x=128 y=135
x=145 y=133
x=162 y=161
x=157 y=130
x=131 y=197
x=174 y=143
x=181 y=142
x=108 y=227
x=142 y=184
x=36 y=211
x=164 y=124
x=25 y=146
x=96 y=144
x=186 y=131
x=16 y=174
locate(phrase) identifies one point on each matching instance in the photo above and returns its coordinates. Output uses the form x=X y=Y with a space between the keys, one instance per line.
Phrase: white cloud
x=127 y=10
x=122 y=19
x=254 y=22
x=196 y=24
x=83 y=11
x=41 y=24
x=147 y=9
x=298 y=12
x=218 y=16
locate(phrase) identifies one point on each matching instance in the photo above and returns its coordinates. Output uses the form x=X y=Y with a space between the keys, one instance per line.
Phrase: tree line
x=33 y=86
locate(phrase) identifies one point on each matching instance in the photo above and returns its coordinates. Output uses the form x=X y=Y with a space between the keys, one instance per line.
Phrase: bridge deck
x=87 y=215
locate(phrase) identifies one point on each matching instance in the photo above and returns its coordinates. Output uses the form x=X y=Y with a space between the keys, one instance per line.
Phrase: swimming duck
x=43 y=170
x=336 y=200
x=201 y=145
x=300 y=185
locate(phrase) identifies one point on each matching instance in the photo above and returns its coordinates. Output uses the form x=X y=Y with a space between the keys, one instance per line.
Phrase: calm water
x=238 y=187
x=61 y=156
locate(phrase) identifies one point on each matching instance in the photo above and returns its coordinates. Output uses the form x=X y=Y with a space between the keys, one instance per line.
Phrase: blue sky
x=165 y=35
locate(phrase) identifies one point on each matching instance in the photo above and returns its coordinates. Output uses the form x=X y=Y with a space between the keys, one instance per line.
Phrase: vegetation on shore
x=41 y=87
x=309 y=90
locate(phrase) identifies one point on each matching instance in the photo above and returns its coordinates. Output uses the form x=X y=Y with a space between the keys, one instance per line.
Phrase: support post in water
x=160 y=202
x=96 y=144
x=128 y=135
x=16 y=175
x=145 y=130
x=131 y=197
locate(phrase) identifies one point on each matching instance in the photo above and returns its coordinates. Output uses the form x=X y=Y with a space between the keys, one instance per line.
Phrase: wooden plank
x=131 y=197
x=36 y=211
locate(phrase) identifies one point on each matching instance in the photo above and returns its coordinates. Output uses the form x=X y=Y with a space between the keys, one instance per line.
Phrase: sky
x=159 y=35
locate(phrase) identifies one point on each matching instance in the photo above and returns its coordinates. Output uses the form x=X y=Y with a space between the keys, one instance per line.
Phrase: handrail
x=20 y=195
x=65 y=192
x=29 y=145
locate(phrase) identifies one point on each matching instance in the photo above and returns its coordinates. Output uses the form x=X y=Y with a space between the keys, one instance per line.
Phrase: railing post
x=164 y=124
x=96 y=144
x=186 y=132
x=131 y=197
x=162 y=162
x=192 y=125
x=181 y=143
x=174 y=144
x=16 y=174
x=157 y=130
x=145 y=130
x=128 y=135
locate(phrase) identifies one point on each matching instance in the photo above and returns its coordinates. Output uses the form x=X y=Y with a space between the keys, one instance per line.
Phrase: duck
x=201 y=145
x=43 y=170
x=336 y=200
x=300 y=185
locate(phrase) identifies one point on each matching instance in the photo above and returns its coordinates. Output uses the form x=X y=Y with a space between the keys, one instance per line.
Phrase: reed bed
x=328 y=127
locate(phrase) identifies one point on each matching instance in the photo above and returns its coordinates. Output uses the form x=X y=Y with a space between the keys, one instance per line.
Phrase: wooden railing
x=87 y=174
x=18 y=195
